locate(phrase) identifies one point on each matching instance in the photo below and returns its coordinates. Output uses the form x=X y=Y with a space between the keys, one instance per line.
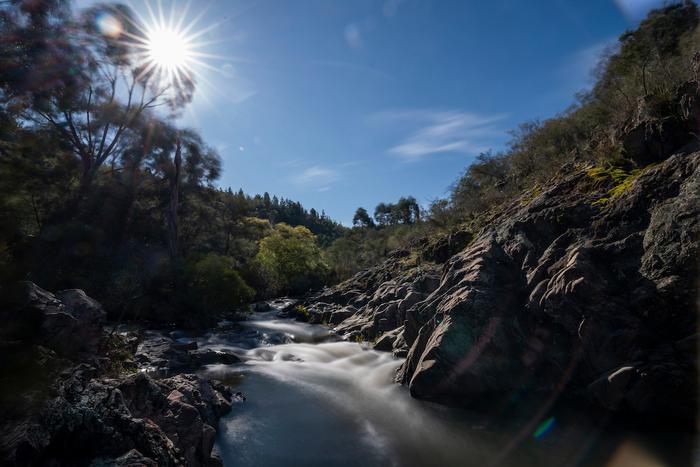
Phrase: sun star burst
x=164 y=46
x=168 y=49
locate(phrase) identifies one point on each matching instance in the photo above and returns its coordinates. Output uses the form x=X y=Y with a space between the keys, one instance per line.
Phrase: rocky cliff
x=584 y=289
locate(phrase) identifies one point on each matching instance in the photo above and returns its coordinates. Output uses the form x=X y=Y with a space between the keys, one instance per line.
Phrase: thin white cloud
x=391 y=7
x=317 y=177
x=442 y=131
x=353 y=36
x=578 y=71
x=634 y=10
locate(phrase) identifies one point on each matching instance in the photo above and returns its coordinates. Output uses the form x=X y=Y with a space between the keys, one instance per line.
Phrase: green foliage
x=636 y=80
x=643 y=72
x=302 y=310
x=291 y=260
x=366 y=247
x=362 y=219
x=601 y=174
x=119 y=361
x=621 y=179
x=214 y=284
x=405 y=211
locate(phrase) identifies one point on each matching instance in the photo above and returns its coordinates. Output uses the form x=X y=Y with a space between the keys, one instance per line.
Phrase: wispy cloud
x=356 y=32
x=442 y=131
x=353 y=35
x=391 y=7
x=578 y=71
x=317 y=177
x=634 y=10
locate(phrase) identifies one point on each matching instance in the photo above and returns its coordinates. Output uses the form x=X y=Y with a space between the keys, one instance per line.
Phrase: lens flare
x=544 y=428
x=165 y=46
x=108 y=25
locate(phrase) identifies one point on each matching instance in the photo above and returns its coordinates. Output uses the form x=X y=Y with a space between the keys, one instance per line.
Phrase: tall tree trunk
x=173 y=244
x=128 y=208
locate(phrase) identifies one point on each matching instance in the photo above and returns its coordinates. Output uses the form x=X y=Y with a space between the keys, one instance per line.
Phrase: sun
x=168 y=49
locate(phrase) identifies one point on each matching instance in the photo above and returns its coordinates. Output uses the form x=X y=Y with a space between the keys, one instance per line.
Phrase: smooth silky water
x=315 y=400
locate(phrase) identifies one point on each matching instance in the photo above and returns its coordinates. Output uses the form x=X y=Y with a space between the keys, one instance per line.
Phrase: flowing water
x=313 y=399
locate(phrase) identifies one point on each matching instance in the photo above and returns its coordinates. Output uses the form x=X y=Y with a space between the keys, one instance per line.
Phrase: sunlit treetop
x=162 y=47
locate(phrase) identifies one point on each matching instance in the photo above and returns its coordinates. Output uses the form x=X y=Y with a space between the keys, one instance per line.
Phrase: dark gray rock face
x=163 y=422
x=650 y=138
x=132 y=458
x=445 y=247
x=478 y=293
x=565 y=294
x=374 y=302
x=573 y=292
x=86 y=311
x=69 y=322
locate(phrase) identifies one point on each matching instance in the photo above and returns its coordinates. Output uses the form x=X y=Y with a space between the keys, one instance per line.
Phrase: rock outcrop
x=373 y=304
x=65 y=400
x=158 y=353
x=587 y=290
x=69 y=322
x=167 y=422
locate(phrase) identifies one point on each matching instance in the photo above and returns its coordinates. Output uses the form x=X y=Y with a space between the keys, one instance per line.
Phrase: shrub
x=302 y=311
x=214 y=284
x=291 y=260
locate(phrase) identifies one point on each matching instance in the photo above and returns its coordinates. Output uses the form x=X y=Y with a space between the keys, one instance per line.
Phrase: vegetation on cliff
x=639 y=110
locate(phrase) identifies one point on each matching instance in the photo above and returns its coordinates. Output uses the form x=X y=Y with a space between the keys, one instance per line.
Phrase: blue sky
x=340 y=104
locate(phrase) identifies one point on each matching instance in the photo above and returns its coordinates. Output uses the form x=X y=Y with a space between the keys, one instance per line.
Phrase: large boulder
x=655 y=131
x=23 y=307
x=465 y=347
x=69 y=322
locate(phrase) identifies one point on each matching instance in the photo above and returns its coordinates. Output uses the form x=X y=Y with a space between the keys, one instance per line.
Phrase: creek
x=313 y=399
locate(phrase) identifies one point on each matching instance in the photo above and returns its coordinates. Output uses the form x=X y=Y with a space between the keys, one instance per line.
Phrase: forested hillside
x=100 y=190
x=640 y=108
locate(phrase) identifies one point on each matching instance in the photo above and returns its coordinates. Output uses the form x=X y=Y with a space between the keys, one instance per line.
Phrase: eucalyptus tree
x=87 y=77
x=181 y=160
x=362 y=218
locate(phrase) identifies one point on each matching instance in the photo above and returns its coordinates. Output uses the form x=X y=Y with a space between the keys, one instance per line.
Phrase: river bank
x=270 y=390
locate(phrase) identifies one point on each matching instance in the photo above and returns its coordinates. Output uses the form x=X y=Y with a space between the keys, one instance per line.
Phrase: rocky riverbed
x=269 y=390
x=572 y=307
